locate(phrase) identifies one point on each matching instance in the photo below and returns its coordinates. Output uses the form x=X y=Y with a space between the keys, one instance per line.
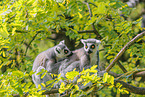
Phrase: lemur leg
x=49 y=65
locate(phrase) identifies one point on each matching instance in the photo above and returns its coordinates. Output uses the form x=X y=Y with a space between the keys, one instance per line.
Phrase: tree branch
x=18 y=31
x=123 y=50
x=130 y=88
x=135 y=73
x=50 y=92
x=121 y=66
x=139 y=74
x=47 y=92
x=90 y=11
x=17 y=95
x=86 y=31
x=114 y=74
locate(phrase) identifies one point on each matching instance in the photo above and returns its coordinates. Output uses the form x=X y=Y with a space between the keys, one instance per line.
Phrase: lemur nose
x=89 y=51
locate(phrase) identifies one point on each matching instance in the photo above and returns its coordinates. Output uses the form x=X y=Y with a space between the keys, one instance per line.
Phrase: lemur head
x=91 y=45
x=61 y=50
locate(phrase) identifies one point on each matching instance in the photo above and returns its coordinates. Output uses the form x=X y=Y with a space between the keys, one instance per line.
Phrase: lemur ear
x=98 y=41
x=61 y=42
x=83 y=41
x=58 y=49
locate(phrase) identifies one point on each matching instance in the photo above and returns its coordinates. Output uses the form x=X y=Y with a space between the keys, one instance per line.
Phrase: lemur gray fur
x=81 y=58
x=47 y=60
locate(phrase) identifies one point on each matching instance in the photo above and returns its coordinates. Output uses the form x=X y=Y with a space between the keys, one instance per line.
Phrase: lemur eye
x=65 y=51
x=92 y=46
x=86 y=46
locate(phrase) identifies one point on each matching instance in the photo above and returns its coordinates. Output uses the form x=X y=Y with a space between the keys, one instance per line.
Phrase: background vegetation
x=28 y=27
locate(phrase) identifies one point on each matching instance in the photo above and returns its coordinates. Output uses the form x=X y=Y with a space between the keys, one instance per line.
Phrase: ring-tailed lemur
x=46 y=60
x=84 y=57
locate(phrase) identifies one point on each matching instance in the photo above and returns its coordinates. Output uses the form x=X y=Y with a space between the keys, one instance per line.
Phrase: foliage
x=87 y=78
x=24 y=24
x=84 y=79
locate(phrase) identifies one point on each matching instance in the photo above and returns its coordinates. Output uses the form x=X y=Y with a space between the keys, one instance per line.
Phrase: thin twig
x=93 y=26
x=86 y=31
x=50 y=92
x=121 y=66
x=18 y=31
x=92 y=4
x=90 y=12
x=31 y=41
x=123 y=50
x=114 y=74
x=134 y=72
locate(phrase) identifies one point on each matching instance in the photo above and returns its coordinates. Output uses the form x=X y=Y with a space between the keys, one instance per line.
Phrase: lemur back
x=49 y=57
x=41 y=59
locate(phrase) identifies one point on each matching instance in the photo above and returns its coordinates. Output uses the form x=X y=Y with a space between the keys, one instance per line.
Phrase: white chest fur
x=93 y=59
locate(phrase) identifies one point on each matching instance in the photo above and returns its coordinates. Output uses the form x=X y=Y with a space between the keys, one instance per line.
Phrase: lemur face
x=61 y=50
x=90 y=45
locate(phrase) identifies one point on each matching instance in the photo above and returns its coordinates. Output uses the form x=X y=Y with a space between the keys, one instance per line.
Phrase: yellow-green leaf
x=79 y=80
x=80 y=16
x=43 y=84
x=105 y=77
x=13 y=31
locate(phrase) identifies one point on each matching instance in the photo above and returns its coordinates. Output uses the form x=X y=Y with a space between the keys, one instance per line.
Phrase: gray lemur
x=81 y=58
x=47 y=60
x=84 y=57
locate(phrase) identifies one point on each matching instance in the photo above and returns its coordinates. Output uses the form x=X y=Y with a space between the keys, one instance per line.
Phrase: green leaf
x=111 y=86
x=29 y=84
x=43 y=84
x=62 y=85
x=42 y=71
x=13 y=31
x=3 y=33
x=93 y=71
x=62 y=88
x=49 y=82
x=18 y=73
x=111 y=80
x=71 y=75
x=110 y=57
x=43 y=75
x=76 y=87
x=32 y=72
x=126 y=91
x=4 y=55
x=105 y=76
x=90 y=90
x=86 y=82
x=101 y=9
x=79 y=80
x=39 y=86
x=80 y=16
x=138 y=79
x=20 y=90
